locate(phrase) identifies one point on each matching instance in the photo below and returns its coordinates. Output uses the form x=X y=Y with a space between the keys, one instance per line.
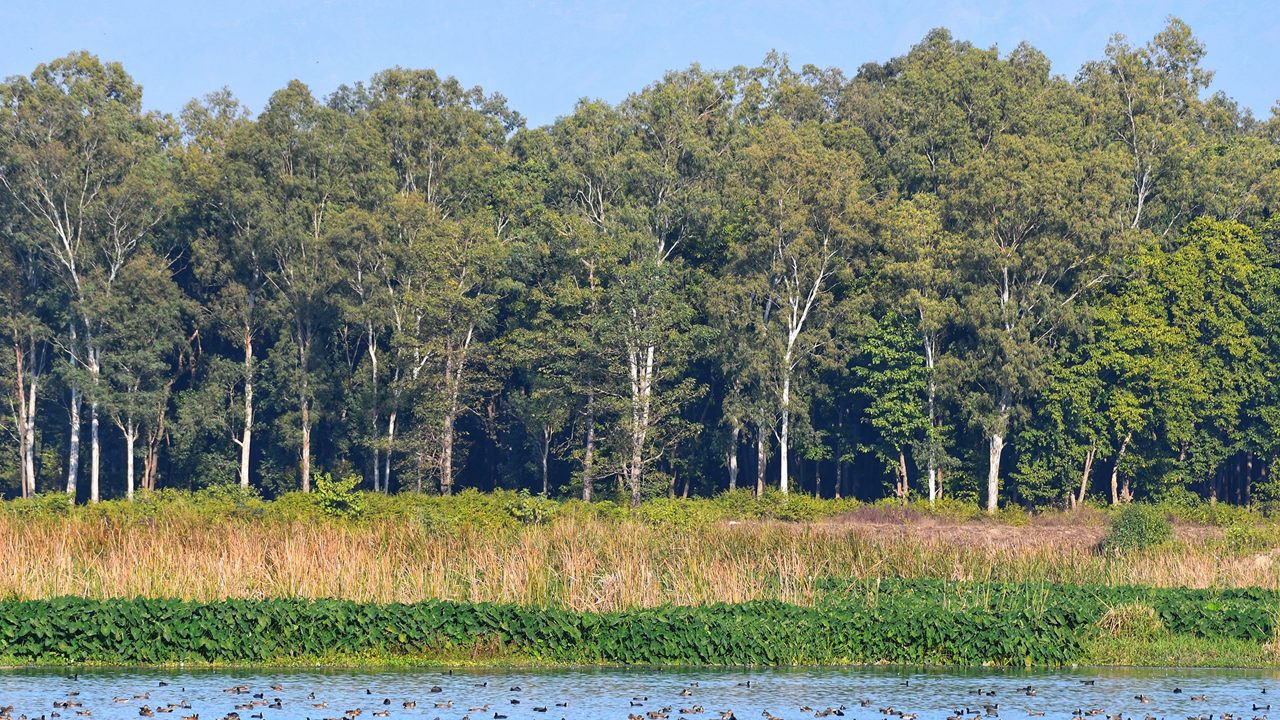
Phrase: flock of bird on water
x=253 y=704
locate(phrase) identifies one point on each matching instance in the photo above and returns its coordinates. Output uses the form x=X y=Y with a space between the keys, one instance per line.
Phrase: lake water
x=610 y=693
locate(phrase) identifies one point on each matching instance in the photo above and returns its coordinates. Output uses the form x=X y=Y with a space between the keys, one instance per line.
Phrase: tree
x=803 y=224
x=90 y=172
x=230 y=260
x=141 y=320
x=894 y=381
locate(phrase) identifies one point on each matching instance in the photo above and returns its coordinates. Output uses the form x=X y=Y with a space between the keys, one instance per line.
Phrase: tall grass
x=598 y=558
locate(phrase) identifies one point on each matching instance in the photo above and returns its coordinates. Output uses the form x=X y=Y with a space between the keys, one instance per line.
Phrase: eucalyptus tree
x=300 y=152
x=141 y=320
x=22 y=326
x=1147 y=101
x=91 y=173
x=661 y=154
x=230 y=260
x=437 y=261
x=919 y=269
x=803 y=227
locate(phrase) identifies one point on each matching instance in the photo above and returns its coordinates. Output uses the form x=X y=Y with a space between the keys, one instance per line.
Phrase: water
x=592 y=694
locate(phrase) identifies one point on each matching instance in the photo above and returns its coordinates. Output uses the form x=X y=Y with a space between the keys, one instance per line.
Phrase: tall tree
x=90 y=172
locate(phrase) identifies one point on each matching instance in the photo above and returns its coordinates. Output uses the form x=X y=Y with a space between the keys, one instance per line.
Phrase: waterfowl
x=382 y=713
x=409 y=704
x=1086 y=682
x=1035 y=713
x=1200 y=698
x=145 y=711
x=540 y=708
x=1142 y=698
x=1257 y=707
x=686 y=692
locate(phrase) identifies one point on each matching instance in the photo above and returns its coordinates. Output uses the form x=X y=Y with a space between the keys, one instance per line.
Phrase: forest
x=953 y=274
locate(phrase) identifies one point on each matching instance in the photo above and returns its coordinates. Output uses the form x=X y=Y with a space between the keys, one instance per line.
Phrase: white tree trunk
x=993 y=471
x=73 y=452
x=931 y=461
x=130 y=435
x=391 y=439
x=246 y=435
x=29 y=435
x=641 y=398
x=588 y=453
x=784 y=435
x=731 y=457
x=95 y=452
x=762 y=458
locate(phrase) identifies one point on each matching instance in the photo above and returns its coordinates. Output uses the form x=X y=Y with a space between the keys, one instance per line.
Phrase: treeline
x=951 y=274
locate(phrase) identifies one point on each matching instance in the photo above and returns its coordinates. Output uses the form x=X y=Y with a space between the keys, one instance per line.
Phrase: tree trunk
x=446 y=455
x=246 y=435
x=454 y=364
x=1115 y=470
x=731 y=457
x=73 y=452
x=391 y=439
x=130 y=436
x=588 y=453
x=372 y=348
x=25 y=406
x=306 y=445
x=95 y=452
x=546 y=451
x=642 y=369
x=931 y=461
x=761 y=459
x=1078 y=500
x=784 y=435
x=903 y=489
x=993 y=471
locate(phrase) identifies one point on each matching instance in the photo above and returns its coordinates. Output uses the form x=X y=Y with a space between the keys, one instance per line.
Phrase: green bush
x=1138 y=527
x=531 y=509
x=46 y=504
x=337 y=498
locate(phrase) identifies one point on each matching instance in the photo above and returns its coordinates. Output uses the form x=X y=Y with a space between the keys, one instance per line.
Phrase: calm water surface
x=609 y=693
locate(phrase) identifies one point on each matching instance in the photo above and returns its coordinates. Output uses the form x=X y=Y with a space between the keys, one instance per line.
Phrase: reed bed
x=584 y=564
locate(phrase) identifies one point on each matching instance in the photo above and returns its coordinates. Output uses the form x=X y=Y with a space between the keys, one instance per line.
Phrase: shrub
x=531 y=509
x=1138 y=527
x=46 y=504
x=337 y=498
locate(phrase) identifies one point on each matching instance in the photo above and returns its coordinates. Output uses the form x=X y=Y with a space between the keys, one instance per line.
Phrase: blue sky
x=543 y=56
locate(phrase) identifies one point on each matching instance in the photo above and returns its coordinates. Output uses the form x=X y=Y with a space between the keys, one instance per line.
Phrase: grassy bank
x=912 y=622
x=508 y=548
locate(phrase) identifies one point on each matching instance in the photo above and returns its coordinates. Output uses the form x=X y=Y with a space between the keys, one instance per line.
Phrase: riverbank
x=855 y=622
x=601 y=557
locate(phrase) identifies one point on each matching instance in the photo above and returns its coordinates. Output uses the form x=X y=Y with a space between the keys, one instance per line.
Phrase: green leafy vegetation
x=1137 y=528
x=898 y=621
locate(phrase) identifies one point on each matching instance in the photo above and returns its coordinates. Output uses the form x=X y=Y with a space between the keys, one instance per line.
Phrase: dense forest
x=951 y=274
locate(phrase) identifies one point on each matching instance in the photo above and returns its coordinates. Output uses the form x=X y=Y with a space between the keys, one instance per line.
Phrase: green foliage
x=337 y=497
x=49 y=504
x=1138 y=527
x=864 y=621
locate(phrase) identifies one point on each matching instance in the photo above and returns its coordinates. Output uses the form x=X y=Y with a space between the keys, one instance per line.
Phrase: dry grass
x=584 y=564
